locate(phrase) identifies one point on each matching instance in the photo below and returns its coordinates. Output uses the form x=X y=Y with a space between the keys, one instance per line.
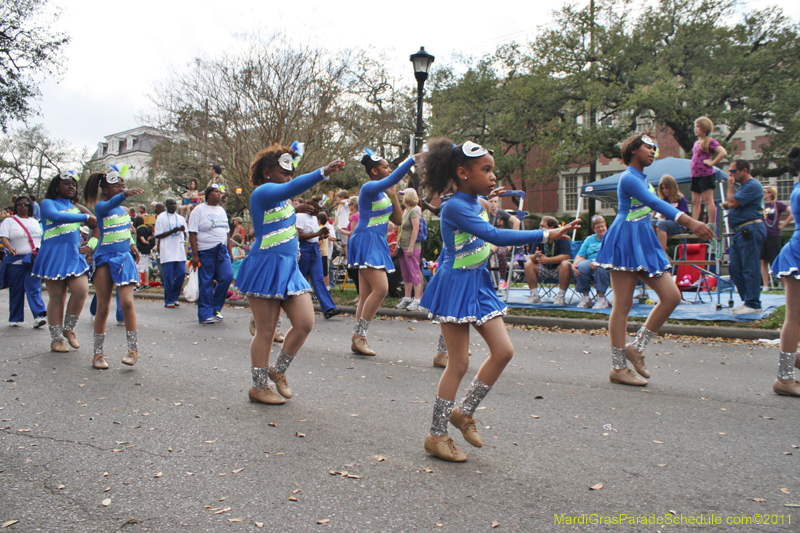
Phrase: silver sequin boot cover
x=133 y=340
x=361 y=327
x=70 y=321
x=99 y=339
x=786 y=366
x=475 y=394
x=643 y=338
x=442 y=346
x=618 y=361
x=260 y=377
x=282 y=363
x=441 y=416
x=56 y=333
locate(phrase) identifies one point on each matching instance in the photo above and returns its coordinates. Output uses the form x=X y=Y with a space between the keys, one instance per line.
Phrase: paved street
x=173 y=444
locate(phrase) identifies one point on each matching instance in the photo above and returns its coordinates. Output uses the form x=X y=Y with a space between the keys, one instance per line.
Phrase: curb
x=550 y=322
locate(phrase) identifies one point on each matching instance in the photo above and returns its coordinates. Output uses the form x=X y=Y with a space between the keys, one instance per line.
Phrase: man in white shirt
x=309 y=233
x=342 y=215
x=171 y=235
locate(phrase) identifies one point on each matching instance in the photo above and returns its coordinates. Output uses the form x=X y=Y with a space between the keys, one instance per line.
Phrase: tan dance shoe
x=360 y=346
x=445 y=449
x=626 y=376
x=637 y=360
x=467 y=426
x=59 y=346
x=99 y=361
x=786 y=389
x=71 y=338
x=440 y=360
x=265 y=395
x=279 y=337
x=131 y=358
x=253 y=326
x=281 y=385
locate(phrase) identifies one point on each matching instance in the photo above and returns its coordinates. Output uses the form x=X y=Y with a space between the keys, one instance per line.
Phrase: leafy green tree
x=734 y=73
x=29 y=48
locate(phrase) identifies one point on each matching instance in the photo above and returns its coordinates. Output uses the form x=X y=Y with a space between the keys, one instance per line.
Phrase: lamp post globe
x=422 y=63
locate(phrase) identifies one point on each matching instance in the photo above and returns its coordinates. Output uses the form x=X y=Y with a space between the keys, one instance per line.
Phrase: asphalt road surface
x=174 y=445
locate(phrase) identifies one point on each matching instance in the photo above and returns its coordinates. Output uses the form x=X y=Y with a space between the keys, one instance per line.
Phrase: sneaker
x=744 y=310
x=533 y=299
x=560 y=300
x=602 y=303
x=176 y=304
x=15 y=324
x=39 y=321
x=218 y=316
x=403 y=303
x=209 y=320
x=330 y=313
x=585 y=302
x=502 y=285
x=413 y=306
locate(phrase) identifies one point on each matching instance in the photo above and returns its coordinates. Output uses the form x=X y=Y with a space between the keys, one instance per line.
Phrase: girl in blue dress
x=787 y=267
x=631 y=252
x=60 y=262
x=461 y=292
x=269 y=275
x=368 y=247
x=115 y=259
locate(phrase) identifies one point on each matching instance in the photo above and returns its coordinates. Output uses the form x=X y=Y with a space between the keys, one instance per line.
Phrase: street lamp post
x=422 y=63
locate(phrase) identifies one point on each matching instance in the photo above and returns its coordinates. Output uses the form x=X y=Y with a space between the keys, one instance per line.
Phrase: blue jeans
x=93 y=307
x=215 y=264
x=745 y=268
x=174 y=274
x=20 y=284
x=599 y=276
x=311 y=267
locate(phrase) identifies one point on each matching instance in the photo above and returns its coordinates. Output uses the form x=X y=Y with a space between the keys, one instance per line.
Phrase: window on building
x=123 y=145
x=785 y=184
x=605 y=205
x=105 y=149
x=571 y=193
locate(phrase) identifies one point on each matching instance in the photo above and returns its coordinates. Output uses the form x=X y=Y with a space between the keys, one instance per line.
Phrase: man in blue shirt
x=749 y=232
x=37 y=213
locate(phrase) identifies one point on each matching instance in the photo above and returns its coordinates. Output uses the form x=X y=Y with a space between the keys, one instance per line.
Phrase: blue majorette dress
x=58 y=257
x=270 y=269
x=462 y=291
x=368 y=246
x=788 y=261
x=631 y=244
x=114 y=249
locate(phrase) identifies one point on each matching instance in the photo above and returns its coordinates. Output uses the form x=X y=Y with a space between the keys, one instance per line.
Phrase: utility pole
x=592 y=110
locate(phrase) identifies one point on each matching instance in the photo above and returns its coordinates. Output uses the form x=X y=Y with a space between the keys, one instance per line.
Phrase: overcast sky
x=119 y=49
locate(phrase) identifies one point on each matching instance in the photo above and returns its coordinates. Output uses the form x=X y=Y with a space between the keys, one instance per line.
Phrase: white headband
x=472 y=149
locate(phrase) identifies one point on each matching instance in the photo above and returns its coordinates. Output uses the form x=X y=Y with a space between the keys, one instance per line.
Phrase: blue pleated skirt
x=632 y=247
x=461 y=297
x=121 y=265
x=59 y=260
x=788 y=261
x=369 y=249
x=271 y=275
